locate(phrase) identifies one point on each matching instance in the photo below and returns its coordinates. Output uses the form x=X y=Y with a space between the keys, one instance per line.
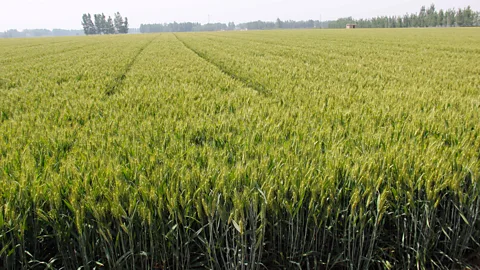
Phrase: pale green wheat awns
x=241 y=150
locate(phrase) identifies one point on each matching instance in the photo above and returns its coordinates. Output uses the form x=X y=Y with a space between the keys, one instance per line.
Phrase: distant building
x=351 y=26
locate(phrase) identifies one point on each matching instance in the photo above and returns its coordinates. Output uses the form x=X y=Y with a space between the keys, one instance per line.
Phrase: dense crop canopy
x=310 y=149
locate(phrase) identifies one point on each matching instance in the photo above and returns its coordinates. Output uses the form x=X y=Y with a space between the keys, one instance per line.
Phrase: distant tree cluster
x=430 y=17
x=185 y=27
x=279 y=24
x=14 y=33
x=101 y=25
x=197 y=27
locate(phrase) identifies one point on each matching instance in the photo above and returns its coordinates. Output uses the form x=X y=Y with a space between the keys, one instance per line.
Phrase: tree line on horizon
x=14 y=33
x=287 y=24
x=185 y=27
x=198 y=27
x=102 y=25
x=430 y=17
x=427 y=17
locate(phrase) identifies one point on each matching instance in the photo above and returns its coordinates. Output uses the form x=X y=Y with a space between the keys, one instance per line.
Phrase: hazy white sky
x=21 y=14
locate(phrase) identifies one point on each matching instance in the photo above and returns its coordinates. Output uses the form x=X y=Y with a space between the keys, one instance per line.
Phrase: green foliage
x=89 y=27
x=241 y=150
x=121 y=25
x=427 y=17
x=430 y=17
x=103 y=26
x=125 y=26
x=110 y=26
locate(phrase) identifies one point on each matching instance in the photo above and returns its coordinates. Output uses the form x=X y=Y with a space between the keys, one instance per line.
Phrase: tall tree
x=279 y=23
x=85 y=24
x=440 y=18
x=468 y=16
x=98 y=23
x=91 y=26
x=431 y=16
x=118 y=22
x=422 y=17
x=88 y=25
x=450 y=14
x=460 y=18
x=110 y=26
x=125 y=26
x=476 y=19
x=104 y=24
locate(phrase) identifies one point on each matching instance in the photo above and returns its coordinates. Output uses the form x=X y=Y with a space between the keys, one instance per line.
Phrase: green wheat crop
x=308 y=149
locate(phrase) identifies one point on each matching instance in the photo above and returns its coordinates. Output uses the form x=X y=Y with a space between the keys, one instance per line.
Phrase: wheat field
x=305 y=149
